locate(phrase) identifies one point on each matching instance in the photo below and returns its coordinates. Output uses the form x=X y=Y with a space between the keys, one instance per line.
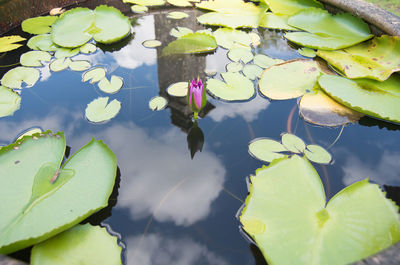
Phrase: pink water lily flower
x=196 y=90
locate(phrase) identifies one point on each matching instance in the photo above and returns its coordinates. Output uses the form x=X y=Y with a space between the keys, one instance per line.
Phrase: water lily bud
x=196 y=96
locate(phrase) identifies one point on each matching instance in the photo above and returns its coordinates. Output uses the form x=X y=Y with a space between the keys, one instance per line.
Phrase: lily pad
x=291 y=7
x=139 y=9
x=234 y=67
x=251 y=71
x=265 y=61
x=240 y=54
x=66 y=52
x=326 y=31
x=14 y=77
x=356 y=223
x=42 y=42
x=226 y=38
x=235 y=88
x=38 y=25
x=266 y=149
x=255 y=39
x=317 y=154
x=29 y=132
x=307 y=52
x=179 y=89
x=60 y=64
x=158 y=103
x=79 y=65
x=177 y=15
x=98 y=110
x=288 y=80
x=8 y=43
x=151 y=43
x=88 y=48
x=78 y=25
x=180 y=31
x=182 y=3
x=94 y=75
x=43 y=200
x=145 y=2
x=191 y=43
x=82 y=244
x=371 y=97
x=274 y=21
x=34 y=58
x=112 y=86
x=376 y=59
x=293 y=143
x=10 y=102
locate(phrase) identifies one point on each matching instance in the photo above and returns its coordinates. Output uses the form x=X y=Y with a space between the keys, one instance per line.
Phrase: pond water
x=170 y=208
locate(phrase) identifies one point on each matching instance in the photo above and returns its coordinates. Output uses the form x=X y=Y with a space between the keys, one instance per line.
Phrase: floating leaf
x=180 y=31
x=182 y=3
x=178 y=89
x=30 y=132
x=42 y=42
x=371 y=97
x=288 y=80
x=8 y=43
x=88 y=48
x=14 y=77
x=60 y=64
x=266 y=149
x=78 y=25
x=191 y=43
x=145 y=2
x=293 y=143
x=265 y=61
x=251 y=71
x=79 y=65
x=274 y=21
x=236 y=87
x=98 y=110
x=10 y=102
x=82 y=244
x=177 y=15
x=43 y=200
x=326 y=31
x=240 y=54
x=317 y=154
x=38 y=25
x=234 y=67
x=255 y=39
x=66 y=52
x=112 y=86
x=285 y=213
x=94 y=75
x=151 y=43
x=291 y=7
x=226 y=38
x=307 y=52
x=34 y=58
x=322 y=110
x=375 y=59
x=139 y=9
x=158 y=103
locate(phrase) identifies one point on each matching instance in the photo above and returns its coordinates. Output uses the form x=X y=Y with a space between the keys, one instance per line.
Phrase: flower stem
x=196 y=115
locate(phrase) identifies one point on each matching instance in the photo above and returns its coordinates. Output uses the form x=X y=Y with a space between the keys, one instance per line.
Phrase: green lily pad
x=177 y=15
x=98 y=110
x=371 y=97
x=326 y=31
x=307 y=52
x=79 y=65
x=112 y=86
x=251 y=71
x=145 y=2
x=78 y=25
x=265 y=61
x=139 y=9
x=151 y=43
x=288 y=80
x=158 y=103
x=8 y=43
x=266 y=149
x=285 y=213
x=38 y=25
x=66 y=52
x=240 y=54
x=182 y=3
x=94 y=75
x=317 y=154
x=34 y=58
x=191 y=43
x=98 y=247
x=376 y=59
x=179 y=89
x=44 y=200
x=226 y=38
x=88 y=48
x=60 y=64
x=14 y=77
x=180 y=31
x=291 y=7
x=235 y=88
x=234 y=67
x=293 y=143
x=10 y=102
x=42 y=42
x=274 y=21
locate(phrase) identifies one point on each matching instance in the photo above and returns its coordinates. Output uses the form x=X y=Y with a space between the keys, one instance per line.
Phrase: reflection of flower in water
x=155 y=249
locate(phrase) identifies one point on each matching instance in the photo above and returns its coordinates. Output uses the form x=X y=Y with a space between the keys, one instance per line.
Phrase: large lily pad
x=14 y=77
x=8 y=43
x=376 y=59
x=235 y=88
x=285 y=214
x=43 y=200
x=38 y=25
x=371 y=97
x=191 y=43
x=326 y=31
x=82 y=244
x=291 y=7
x=78 y=25
x=9 y=101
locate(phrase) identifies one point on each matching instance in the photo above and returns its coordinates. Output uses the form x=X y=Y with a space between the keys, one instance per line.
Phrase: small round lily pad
x=10 y=102
x=177 y=15
x=251 y=71
x=112 y=86
x=293 y=143
x=14 y=77
x=317 y=154
x=88 y=48
x=79 y=65
x=139 y=9
x=60 y=64
x=94 y=75
x=234 y=67
x=266 y=149
x=98 y=110
x=42 y=42
x=178 y=89
x=151 y=43
x=265 y=61
x=158 y=103
x=236 y=87
x=240 y=54
x=34 y=58
x=38 y=25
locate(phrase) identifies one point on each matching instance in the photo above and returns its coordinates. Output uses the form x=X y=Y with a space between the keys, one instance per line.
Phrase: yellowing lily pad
x=8 y=43
x=14 y=77
x=151 y=43
x=79 y=65
x=240 y=54
x=139 y=9
x=60 y=64
x=112 y=86
x=34 y=58
x=326 y=31
x=179 y=89
x=177 y=15
x=288 y=80
x=317 y=154
x=182 y=3
x=99 y=111
x=226 y=38
x=291 y=7
x=376 y=59
x=235 y=88
x=266 y=149
x=265 y=61
x=38 y=25
x=145 y=2
x=158 y=103
x=191 y=43
x=293 y=143
x=10 y=102
x=94 y=75
x=251 y=71
x=42 y=42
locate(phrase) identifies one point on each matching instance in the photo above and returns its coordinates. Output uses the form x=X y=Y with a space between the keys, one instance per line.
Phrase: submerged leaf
x=112 y=86
x=266 y=149
x=191 y=43
x=94 y=75
x=8 y=43
x=98 y=110
x=9 y=102
x=14 y=77
x=34 y=58
x=179 y=89
x=235 y=88
x=82 y=244
x=38 y=25
x=285 y=213
x=158 y=103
